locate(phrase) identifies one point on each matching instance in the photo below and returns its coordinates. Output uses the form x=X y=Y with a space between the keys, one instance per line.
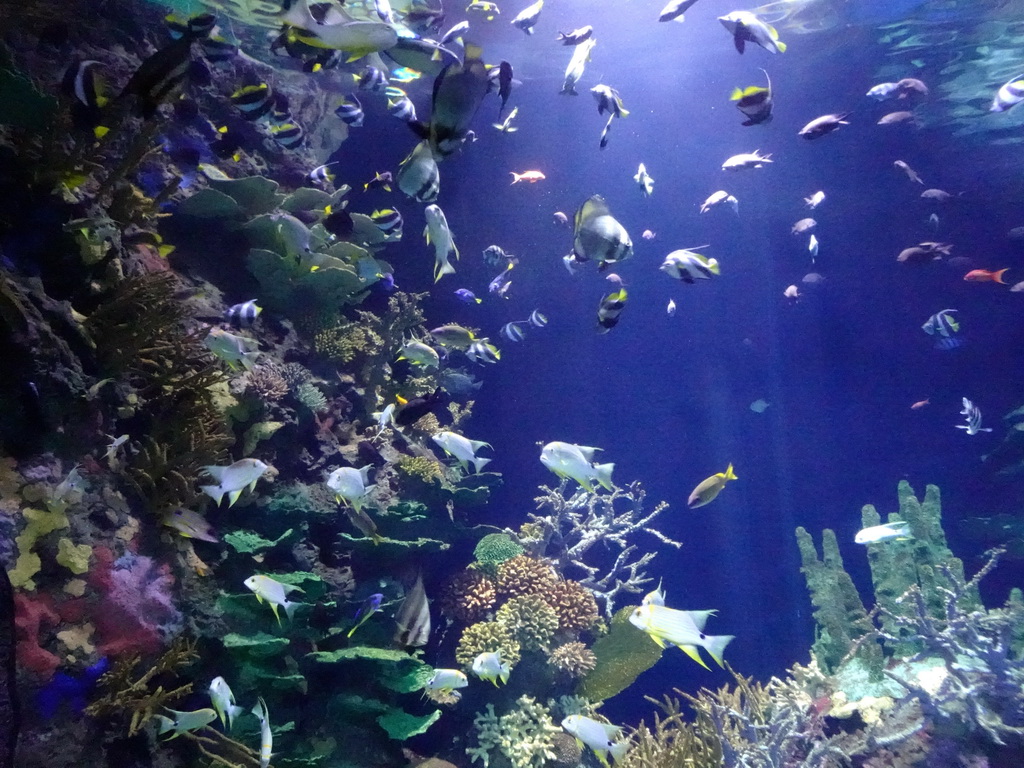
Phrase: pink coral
x=137 y=613
x=30 y=616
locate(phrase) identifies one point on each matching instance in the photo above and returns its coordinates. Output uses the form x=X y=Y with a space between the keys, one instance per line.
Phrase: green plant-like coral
x=622 y=655
x=493 y=550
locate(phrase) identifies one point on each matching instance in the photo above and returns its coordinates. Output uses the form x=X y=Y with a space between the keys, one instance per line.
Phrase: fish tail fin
x=289 y=609
x=166 y=724
x=273 y=607
x=233 y=497
x=603 y=475
x=232 y=713
x=480 y=463
x=618 y=749
x=442 y=270
x=998 y=276
x=715 y=646
x=714 y=267
x=504 y=674
x=213 y=491
x=730 y=474
x=781 y=46
x=693 y=653
x=515 y=177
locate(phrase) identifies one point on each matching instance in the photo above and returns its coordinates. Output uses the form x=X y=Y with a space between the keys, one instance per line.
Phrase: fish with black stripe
x=609 y=310
x=598 y=236
x=255 y=102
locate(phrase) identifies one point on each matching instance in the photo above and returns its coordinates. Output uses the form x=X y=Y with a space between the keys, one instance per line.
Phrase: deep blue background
x=668 y=398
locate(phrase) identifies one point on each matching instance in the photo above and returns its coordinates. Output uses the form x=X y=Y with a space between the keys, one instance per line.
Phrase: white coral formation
x=525 y=735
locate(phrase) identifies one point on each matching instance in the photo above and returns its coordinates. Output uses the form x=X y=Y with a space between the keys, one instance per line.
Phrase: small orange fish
x=919 y=404
x=531 y=176
x=981 y=275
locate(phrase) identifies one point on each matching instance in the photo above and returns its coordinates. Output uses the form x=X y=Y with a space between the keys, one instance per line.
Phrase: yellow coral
x=74 y=557
x=38 y=523
x=75 y=587
x=487 y=636
x=78 y=638
x=530 y=619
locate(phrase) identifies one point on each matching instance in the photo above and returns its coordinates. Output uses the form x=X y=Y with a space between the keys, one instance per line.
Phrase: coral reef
x=468 y=596
x=487 y=637
x=565 y=528
x=523 y=575
x=575 y=605
x=524 y=736
x=530 y=619
x=574 y=660
x=493 y=550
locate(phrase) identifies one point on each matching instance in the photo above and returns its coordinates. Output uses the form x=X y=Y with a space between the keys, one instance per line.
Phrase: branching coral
x=568 y=527
x=531 y=620
x=123 y=694
x=525 y=735
x=468 y=596
x=487 y=637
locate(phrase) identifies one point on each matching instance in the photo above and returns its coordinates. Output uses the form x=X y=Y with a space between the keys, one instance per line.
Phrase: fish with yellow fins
x=708 y=489
x=746 y=27
x=755 y=101
x=683 y=629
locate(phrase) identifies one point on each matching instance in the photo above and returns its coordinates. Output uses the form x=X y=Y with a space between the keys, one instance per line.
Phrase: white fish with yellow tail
x=266 y=736
x=897 y=530
x=447 y=680
x=350 y=485
x=577 y=463
x=224 y=702
x=708 y=489
x=440 y=236
x=462 y=449
x=683 y=629
x=746 y=27
x=489 y=666
x=644 y=179
x=603 y=738
x=578 y=62
x=413 y=617
x=418 y=176
x=655 y=596
x=182 y=722
x=233 y=479
x=419 y=353
x=273 y=592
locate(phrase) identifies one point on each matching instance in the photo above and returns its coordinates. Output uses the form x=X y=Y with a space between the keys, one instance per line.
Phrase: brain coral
x=530 y=619
x=573 y=659
x=494 y=549
x=468 y=596
x=487 y=636
x=575 y=605
x=522 y=575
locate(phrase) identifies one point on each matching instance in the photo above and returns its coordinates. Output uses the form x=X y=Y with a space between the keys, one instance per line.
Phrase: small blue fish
x=467 y=296
x=369 y=607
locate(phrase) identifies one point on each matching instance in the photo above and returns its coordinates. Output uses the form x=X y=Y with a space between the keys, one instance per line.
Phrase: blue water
x=667 y=397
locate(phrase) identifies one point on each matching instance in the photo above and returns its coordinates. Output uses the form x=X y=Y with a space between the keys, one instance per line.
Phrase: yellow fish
x=708 y=489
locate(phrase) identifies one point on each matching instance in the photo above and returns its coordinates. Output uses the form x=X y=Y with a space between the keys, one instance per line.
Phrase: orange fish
x=980 y=275
x=919 y=404
x=530 y=176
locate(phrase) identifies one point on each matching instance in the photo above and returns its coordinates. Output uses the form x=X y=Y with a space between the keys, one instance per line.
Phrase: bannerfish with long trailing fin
x=266 y=735
x=755 y=101
x=944 y=327
x=687 y=265
x=413 y=617
x=644 y=180
x=973 y=415
x=609 y=309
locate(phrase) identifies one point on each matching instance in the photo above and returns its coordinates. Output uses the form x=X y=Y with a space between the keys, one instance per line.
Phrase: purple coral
x=138 y=614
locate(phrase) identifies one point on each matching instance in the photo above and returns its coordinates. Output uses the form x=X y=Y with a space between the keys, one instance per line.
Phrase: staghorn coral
x=575 y=605
x=524 y=736
x=125 y=695
x=468 y=596
x=565 y=528
x=266 y=381
x=573 y=660
x=531 y=620
x=493 y=550
x=486 y=637
x=524 y=575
